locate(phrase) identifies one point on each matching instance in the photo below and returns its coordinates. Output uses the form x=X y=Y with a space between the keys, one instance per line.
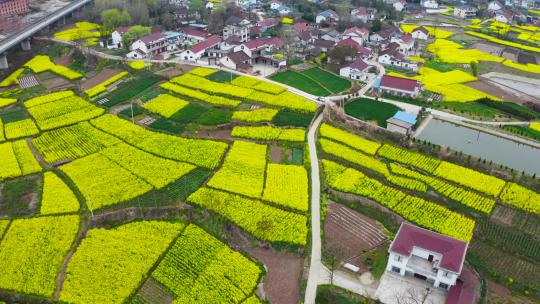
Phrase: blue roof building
x=401 y=122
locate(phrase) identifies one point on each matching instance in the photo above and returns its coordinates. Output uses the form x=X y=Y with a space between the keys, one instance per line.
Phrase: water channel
x=476 y=143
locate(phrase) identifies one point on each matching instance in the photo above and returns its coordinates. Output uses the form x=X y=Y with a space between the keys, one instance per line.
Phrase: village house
x=268 y=24
x=392 y=57
x=465 y=11
x=148 y=46
x=236 y=61
x=398 y=86
x=240 y=31
x=192 y=35
x=495 y=6
x=362 y=14
x=328 y=16
x=357 y=34
x=384 y=34
x=399 y=5
x=420 y=33
x=426 y=255
x=331 y=35
x=357 y=70
x=361 y=51
x=430 y=4
x=504 y=17
x=258 y=46
x=405 y=44
x=401 y=122
x=197 y=51
x=116 y=37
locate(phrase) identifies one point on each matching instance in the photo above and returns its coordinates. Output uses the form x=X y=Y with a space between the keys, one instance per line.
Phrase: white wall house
x=360 y=35
x=426 y=255
x=420 y=33
x=504 y=18
x=399 y=5
x=357 y=70
x=430 y=4
x=399 y=86
x=465 y=11
x=197 y=51
x=390 y=60
x=495 y=6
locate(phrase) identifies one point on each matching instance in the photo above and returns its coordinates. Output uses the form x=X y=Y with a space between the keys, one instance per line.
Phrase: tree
x=133 y=34
x=376 y=25
x=333 y=255
x=113 y=18
x=474 y=68
x=341 y=53
x=216 y=21
x=415 y=296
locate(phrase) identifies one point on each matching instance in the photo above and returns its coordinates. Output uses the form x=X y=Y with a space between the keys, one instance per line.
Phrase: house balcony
x=422 y=266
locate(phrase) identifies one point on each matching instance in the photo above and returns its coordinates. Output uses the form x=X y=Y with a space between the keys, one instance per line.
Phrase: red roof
x=459 y=295
x=262 y=42
x=269 y=22
x=452 y=250
x=355 y=30
x=123 y=29
x=152 y=37
x=406 y=38
x=208 y=43
x=301 y=26
x=361 y=11
x=358 y=64
x=349 y=42
x=421 y=29
x=195 y=33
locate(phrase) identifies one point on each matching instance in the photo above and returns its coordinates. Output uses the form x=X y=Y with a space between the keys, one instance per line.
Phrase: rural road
x=315 y=266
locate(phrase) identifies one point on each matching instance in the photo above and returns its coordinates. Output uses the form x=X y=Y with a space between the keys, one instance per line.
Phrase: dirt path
x=62 y=274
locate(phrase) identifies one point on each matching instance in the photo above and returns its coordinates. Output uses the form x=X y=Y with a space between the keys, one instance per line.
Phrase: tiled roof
x=421 y=29
x=208 y=43
x=195 y=33
x=355 y=30
x=260 y=42
x=406 y=38
x=153 y=37
x=459 y=295
x=123 y=29
x=238 y=57
x=269 y=22
x=358 y=64
x=452 y=250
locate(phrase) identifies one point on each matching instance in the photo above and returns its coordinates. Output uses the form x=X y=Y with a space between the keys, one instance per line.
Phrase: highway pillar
x=3 y=61
x=25 y=45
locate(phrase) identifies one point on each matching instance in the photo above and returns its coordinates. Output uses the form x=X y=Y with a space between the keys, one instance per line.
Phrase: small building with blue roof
x=402 y=122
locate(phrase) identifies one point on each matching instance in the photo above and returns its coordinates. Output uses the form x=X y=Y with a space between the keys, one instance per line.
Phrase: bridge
x=23 y=36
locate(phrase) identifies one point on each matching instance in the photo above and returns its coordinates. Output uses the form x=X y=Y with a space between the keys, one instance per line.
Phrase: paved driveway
x=397 y=290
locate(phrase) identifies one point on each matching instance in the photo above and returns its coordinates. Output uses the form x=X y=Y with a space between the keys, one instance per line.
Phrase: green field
x=371 y=110
x=314 y=81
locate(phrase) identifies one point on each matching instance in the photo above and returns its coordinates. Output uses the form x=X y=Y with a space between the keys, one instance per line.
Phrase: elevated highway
x=23 y=36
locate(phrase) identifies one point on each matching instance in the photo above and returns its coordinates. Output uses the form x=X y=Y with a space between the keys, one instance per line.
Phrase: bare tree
x=333 y=256
x=415 y=296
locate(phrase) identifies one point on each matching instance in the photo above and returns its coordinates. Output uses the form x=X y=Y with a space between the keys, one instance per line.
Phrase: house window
x=396 y=269
x=397 y=258
x=446 y=274
x=443 y=285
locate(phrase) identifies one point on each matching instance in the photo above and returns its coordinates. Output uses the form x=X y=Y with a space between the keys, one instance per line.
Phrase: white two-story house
x=426 y=255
